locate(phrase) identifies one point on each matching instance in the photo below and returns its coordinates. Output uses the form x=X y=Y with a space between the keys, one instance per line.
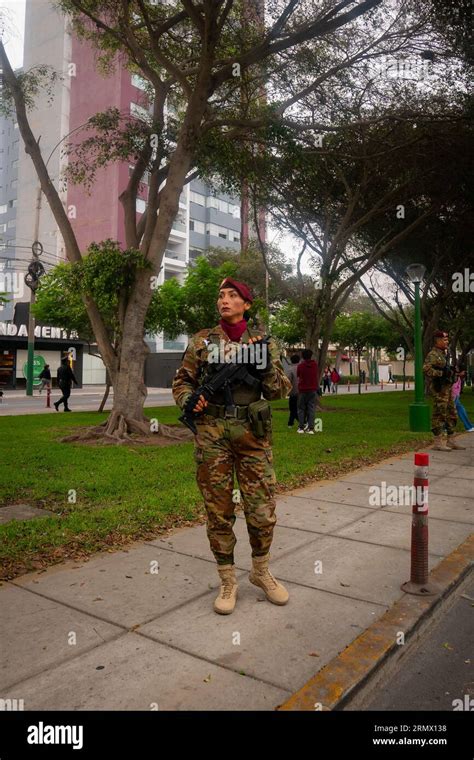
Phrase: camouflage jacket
x=435 y=362
x=274 y=383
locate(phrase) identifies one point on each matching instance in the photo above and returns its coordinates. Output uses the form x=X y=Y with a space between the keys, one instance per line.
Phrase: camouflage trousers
x=220 y=446
x=444 y=412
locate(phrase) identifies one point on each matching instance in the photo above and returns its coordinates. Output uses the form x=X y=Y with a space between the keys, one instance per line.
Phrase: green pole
x=419 y=411
x=419 y=390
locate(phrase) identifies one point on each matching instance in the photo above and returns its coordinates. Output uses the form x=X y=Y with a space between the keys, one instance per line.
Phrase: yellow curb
x=352 y=667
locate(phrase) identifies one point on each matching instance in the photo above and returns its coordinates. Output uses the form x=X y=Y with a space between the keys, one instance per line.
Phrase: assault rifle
x=221 y=378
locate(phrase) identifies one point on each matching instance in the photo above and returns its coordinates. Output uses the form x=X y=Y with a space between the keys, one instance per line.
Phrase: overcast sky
x=14 y=11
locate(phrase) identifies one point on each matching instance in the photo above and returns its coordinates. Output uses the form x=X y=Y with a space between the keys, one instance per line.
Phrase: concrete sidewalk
x=135 y=630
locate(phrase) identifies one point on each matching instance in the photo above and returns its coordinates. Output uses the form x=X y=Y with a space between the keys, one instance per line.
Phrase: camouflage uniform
x=222 y=443
x=444 y=413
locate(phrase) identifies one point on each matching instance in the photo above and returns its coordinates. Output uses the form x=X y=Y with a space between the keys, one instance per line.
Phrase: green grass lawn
x=131 y=492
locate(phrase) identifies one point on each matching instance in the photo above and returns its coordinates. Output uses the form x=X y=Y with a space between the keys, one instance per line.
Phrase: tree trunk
x=127 y=417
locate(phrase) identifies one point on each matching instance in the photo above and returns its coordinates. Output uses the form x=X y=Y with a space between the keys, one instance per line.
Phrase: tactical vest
x=242 y=393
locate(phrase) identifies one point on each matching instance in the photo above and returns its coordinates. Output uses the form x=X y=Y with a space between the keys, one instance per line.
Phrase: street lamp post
x=419 y=411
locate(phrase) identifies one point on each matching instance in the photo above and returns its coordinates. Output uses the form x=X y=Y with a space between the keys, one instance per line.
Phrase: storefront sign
x=41 y=331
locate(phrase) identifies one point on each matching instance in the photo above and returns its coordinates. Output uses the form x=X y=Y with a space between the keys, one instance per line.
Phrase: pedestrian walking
x=66 y=378
x=45 y=377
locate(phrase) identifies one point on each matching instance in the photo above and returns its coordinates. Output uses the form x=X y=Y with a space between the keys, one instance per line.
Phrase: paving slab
x=442 y=507
x=394 y=529
x=193 y=542
x=376 y=475
x=315 y=515
x=38 y=633
x=121 y=587
x=279 y=645
x=22 y=512
x=352 y=568
x=463 y=472
x=406 y=465
x=136 y=673
x=354 y=494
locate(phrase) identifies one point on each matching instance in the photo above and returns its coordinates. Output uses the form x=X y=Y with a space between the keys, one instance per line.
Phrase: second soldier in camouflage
x=444 y=418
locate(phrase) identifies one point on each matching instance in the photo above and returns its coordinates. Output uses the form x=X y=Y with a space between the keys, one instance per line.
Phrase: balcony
x=175 y=256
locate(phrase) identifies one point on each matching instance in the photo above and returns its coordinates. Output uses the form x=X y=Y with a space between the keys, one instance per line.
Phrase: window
x=234 y=236
x=15 y=164
x=217 y=231
x=196 y=226
x=12 y=203
x=195 y=252
x=15 y=126
x=212 y=202
x=140 y=113
x=3 y=209
x=3 y=227
x=234 y=210
x=140 y=205
x=139 y=82
x=197 y=198
x=11 y=223
x=223 y=206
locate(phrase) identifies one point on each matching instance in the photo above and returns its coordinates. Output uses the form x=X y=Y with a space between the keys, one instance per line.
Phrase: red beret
x=241 y=288
x=440 y=334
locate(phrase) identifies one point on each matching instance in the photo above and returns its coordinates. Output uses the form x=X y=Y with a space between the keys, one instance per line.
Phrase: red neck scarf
x=235 y=331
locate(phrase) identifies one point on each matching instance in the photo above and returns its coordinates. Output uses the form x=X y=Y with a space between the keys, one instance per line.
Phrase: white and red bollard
x=419 y=583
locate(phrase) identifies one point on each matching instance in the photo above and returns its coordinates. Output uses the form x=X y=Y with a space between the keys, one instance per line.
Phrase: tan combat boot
x=451 y=443
x=261 y=576
x=439 y=444
x=225 y=602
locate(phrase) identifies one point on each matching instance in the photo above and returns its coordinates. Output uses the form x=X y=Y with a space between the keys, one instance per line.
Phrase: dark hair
x=295 y=358
x=246 y=315
x=307 y=353
x=64 y=360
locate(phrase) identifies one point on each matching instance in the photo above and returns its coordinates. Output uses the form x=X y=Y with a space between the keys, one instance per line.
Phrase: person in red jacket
x=308 y=375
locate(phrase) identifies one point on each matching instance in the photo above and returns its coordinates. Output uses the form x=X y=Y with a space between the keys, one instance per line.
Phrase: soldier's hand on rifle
x=201 y=404
x=252 y=340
